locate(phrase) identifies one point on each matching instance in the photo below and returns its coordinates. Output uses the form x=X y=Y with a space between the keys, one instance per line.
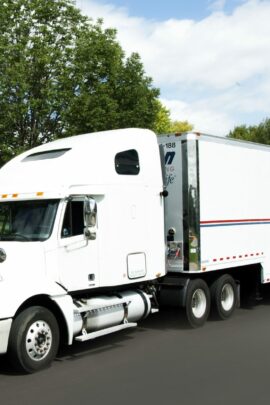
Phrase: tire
x=197 y=303
x=223 y=295
x=34 y=339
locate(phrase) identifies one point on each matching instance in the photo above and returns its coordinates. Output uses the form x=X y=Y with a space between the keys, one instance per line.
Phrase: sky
x=209 y=58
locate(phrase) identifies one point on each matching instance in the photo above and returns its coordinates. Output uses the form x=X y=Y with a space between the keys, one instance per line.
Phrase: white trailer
x=88 y=247
x=217 y=222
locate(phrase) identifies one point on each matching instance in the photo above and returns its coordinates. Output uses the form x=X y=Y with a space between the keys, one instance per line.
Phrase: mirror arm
x=90 y=234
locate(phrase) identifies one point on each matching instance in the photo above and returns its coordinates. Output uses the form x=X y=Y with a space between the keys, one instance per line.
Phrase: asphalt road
x=160 y=362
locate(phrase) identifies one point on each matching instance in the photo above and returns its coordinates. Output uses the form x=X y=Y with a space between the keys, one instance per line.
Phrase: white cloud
x=205 y=117
x=220 y=59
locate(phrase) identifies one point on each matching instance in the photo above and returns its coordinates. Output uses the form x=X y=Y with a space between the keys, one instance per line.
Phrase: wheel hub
x=38 y=340
x=198 y=303
x=227 y=297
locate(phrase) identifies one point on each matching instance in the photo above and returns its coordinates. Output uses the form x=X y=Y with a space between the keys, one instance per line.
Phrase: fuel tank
x=105 y=311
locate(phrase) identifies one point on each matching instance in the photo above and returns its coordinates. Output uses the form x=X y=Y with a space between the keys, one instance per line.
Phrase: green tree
x=181 y=126
x=61 y=74
x=164 y=123
x=243 y=132
x=135 y=95
x=263 y=132
x=259 y=133
x=114 y=93
x=36 y=40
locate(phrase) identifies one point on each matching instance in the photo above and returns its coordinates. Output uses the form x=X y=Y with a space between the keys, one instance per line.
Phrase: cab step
x=93 y=335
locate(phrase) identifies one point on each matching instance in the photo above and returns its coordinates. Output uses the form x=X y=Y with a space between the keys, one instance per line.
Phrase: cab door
x=78 y=253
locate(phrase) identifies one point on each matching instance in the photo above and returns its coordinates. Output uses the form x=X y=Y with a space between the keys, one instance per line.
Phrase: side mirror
x=90 y=218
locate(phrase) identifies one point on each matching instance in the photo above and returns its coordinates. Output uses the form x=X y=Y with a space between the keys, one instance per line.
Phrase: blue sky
x=162 y=10
x=178 y=9
x=210 y=58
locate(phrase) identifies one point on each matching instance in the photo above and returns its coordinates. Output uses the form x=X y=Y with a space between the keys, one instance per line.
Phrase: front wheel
x=34 y=339
x=197 y=302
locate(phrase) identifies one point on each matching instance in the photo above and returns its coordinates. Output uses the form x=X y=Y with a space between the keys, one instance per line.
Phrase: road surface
x=160 y=362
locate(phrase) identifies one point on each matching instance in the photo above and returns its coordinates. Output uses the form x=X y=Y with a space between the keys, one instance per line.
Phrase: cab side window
x=73 y=223
x=127 y=162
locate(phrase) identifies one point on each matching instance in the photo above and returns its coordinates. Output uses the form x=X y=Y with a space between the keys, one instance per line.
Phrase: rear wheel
x=197 y=302
x=223 y=294
x=34 y=339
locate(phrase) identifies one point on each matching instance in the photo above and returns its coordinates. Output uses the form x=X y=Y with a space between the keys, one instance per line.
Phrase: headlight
x=3 y=255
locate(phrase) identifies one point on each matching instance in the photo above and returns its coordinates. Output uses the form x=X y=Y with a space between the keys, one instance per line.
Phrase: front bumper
x=5 y=325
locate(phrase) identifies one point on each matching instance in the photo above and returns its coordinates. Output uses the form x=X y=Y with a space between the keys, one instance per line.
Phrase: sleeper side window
x=127 y=162
x=73 y=223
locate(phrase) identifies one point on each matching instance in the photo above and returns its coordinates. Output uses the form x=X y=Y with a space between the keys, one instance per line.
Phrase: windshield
x=27 y=220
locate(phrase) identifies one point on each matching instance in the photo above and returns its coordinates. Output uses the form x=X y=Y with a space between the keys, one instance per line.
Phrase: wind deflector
x=49 y=154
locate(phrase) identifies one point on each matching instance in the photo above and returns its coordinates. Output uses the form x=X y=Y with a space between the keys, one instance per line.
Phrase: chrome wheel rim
x=38 y=340
x=227 y=297
x=199 y=303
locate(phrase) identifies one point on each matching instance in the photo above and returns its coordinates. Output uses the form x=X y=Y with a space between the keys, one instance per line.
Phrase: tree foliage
x=258 y=133
x=162 y=121
x=165 y=125
x=61 y=74
x=181 y=126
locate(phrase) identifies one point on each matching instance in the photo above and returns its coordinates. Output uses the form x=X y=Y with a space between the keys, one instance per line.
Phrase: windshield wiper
x=21 y=236
x=14 y=236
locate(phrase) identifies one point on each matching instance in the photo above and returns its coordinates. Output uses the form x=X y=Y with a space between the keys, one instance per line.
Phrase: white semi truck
x=99 y=230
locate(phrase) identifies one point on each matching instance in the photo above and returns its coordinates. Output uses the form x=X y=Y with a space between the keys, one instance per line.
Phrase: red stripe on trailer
x=226 y=221
x=221 y=259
